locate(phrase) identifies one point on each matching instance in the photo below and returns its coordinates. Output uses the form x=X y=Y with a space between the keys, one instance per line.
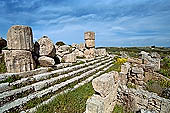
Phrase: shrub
x=60 y=43
x=121 y=60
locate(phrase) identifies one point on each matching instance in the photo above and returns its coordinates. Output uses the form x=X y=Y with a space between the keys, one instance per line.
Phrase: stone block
x=18 y=61
x=20 y=37
x=70 y=58
x=81 y=46
x=89 y=53
x=101 y=52
x=125 y=68
x=78 y=53
x=137 y=70
x=46 y=61
x=89 y=35
x=104 y=84
x=95 y=104
x=47 y=47
x=90 y=43
x=65 y=48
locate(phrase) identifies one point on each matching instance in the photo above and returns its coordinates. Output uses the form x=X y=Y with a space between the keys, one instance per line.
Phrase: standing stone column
x=20 y=44
x=89 y=44
x=89 y=39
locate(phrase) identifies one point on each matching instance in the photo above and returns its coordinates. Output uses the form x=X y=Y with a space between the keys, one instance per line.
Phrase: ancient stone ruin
x=18 y=57
x=105 y=99
x=76 y=64
x=23 y=55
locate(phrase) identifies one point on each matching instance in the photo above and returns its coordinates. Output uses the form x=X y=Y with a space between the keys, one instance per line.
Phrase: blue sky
x=115 y=22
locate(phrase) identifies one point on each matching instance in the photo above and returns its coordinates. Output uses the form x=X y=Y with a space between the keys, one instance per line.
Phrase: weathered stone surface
x=20 y=37
x=78 y=53
x=101 y=52
x=3 y=43
x=47 y=47
x=89 y=35
x=90 y=43
x=137 y=70
x=95 y=104
x=70 y=58
x=89 y=53
x=104 y=84
x=18 y=60
x=125 y=68
x=65 y=48
x=81 y=46
x=155 y=55
x=46 y=61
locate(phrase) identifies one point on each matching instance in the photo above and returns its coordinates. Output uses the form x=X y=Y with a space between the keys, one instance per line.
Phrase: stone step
x=32 y=79
x=13 y=94
x=5 y=76
x=31 y=110
x=51 y=89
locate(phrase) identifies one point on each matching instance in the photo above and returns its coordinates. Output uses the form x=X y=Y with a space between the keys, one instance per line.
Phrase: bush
x=121 y=60
x=60 y=43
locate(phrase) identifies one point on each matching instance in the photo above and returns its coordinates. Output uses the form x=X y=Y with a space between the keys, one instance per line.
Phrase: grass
x=36 y=101
x=78 y=63
x=11 y=79
x=118 y=109
x=71 y=102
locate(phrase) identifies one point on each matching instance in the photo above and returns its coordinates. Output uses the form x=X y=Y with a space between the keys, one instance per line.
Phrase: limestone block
x=125 y=68
x=89 y=53
x=47 y=47
x=46 y=61
x=70 y=58
x=81 y=46
x=137 y=70
x=155 y=55
x=78 y=53
x=65 y=48
x=101 y=52
x=95 y=104
x=20 y=37
x=104 y=84
x=90 y=43
x=18 y=60
x=89 y=35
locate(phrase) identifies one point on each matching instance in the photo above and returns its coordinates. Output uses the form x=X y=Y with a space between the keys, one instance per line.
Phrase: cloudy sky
x=115 y=22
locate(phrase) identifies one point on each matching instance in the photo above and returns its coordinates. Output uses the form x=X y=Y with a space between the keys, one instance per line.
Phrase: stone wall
x=138 y=99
